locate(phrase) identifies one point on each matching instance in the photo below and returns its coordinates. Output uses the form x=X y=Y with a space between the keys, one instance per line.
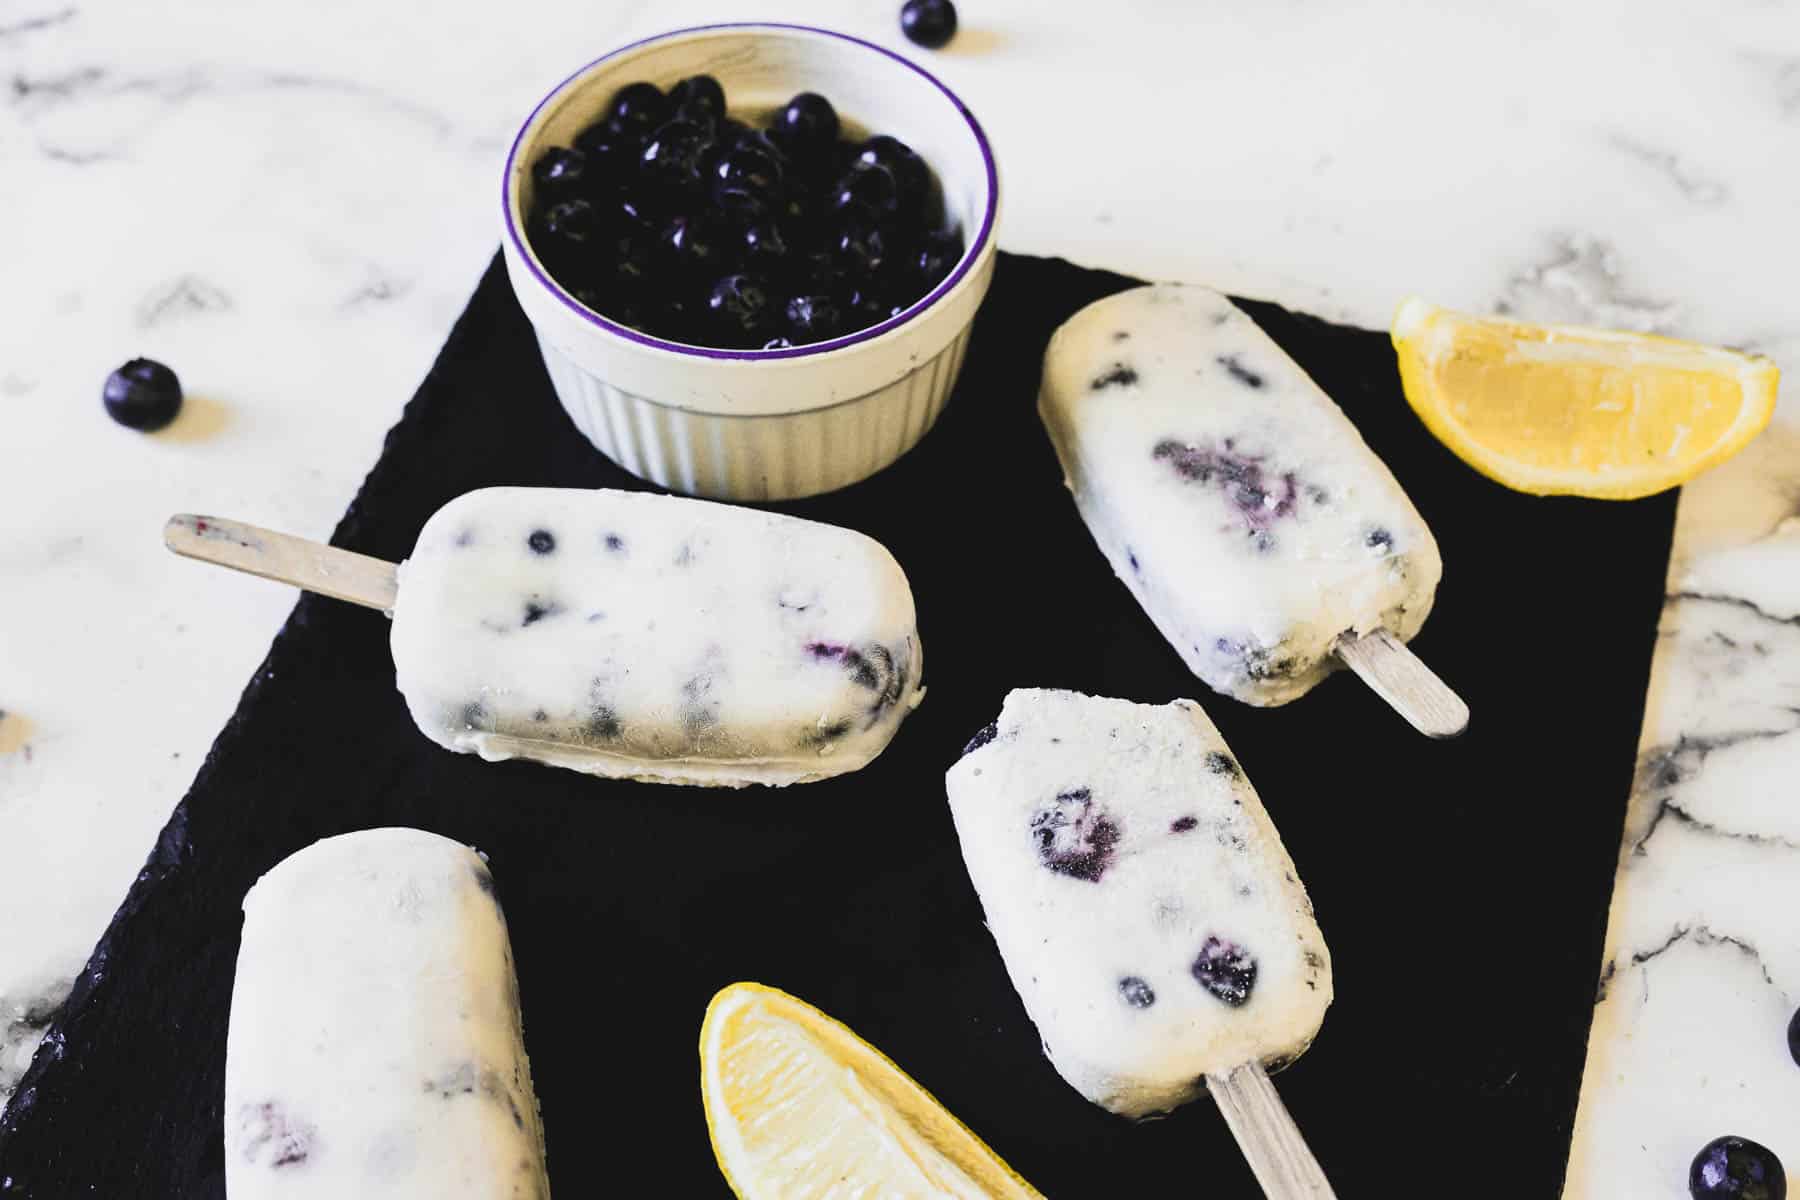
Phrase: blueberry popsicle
x=1235 y=501
x=1147 y=912
x=375 y=1046
x=628 y=634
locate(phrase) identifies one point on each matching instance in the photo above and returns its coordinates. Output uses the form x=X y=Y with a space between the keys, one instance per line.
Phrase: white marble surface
x=289 y=203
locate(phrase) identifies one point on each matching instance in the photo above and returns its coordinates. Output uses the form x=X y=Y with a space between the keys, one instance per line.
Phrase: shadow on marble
x=15 y=732
x=972 y=43
x=202 y=418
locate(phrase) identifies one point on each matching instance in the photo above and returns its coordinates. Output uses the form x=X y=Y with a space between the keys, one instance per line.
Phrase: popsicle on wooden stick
x=1148 y=914
x=375 y=1046
x=1239 y=505
x=627 y=634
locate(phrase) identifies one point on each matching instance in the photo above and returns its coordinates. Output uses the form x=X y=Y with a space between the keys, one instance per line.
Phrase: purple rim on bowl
x=516 y=234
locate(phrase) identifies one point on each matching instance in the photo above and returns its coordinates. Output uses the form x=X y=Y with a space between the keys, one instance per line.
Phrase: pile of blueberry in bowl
x=672 y=216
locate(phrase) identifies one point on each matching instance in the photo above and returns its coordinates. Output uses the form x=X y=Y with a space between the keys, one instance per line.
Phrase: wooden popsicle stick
x=1267 y=1135
x=1413 y=689
x=340 y=574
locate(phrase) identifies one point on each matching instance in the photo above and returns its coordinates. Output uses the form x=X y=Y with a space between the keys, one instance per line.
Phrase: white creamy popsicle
x=375 y=1045
x=1233 y=498
x=1148 y=915
x=626 y=634
x=629 y=634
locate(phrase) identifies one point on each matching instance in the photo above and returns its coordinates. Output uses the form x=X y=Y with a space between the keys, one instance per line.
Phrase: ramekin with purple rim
x=763 y=424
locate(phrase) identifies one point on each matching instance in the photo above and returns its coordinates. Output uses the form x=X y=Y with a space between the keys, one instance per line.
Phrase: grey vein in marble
x=1578 y=282
x=1698 y=187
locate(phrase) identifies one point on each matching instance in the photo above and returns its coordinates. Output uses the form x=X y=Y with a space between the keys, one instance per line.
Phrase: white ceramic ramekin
x=763 y=424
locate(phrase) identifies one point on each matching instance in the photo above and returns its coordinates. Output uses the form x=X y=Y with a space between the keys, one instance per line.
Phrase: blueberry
x=868 y=194
x=983 y=736
x=778 y=343
x=694 y=244
x=560 y=172
x=1734 y=1168
x=741 y=310
x=741 y=207
x=730 y=129
x=1794 y=1037
x=698 y=95
x=1136 y=992
x=568 y=230
x=1183 y=824
x=1226 y=970
x=765 y=250
x=937 y=253
x=928 y=23
x=637 y=108
x=674 y=155
x=910 y=171
x=541 y=541
x=1074 y=836
x=865 y=305
x=1220 y=763
x=807 y=122
x=610 y=151
x=750 y=168
x=814 y=318
x=143 y=394
x=747 y=138
x=628 y=263
x=861 y=249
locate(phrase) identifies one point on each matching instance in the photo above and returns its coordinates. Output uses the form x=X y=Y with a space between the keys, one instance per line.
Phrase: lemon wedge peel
x=921 y=1148
x=1566 y=410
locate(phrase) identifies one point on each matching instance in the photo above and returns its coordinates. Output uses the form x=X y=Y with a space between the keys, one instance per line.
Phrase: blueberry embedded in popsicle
x=1222 y=764
x=1183 y=824
x=1238 y=371
x=1135 y=992
x=541 y=541
x=537 y=609
x=1259 y=499
x=615 y=543
x=270 y=1134
x=1379 y=539
x=1074 y=837
x=1226 y=970
x=983 y=736
x=1117 y=375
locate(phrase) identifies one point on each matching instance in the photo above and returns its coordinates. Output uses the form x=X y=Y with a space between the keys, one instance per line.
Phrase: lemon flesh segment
x=1559 y=410
x=800 y=1108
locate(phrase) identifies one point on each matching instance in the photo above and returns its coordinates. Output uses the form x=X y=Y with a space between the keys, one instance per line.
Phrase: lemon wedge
x=800 y=1108
x=1559 y=410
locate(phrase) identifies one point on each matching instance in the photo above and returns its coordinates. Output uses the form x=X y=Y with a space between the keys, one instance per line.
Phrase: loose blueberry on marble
x=1735 y=1168
x=928 y=23
x=1226 y=970
x=1074 y=836
x=143 y=395
x=1794 y=1038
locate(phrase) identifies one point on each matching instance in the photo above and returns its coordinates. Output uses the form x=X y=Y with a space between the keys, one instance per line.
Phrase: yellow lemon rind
x=956 y=1140
x=1758 y=379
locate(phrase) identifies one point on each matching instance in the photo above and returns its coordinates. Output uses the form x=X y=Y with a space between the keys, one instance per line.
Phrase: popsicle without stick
x=626 y=634
x=1148 y=914
x=375 y=1045
x=1239 y=505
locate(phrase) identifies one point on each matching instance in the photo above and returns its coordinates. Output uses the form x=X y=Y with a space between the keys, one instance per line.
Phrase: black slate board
x=1462 y=886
